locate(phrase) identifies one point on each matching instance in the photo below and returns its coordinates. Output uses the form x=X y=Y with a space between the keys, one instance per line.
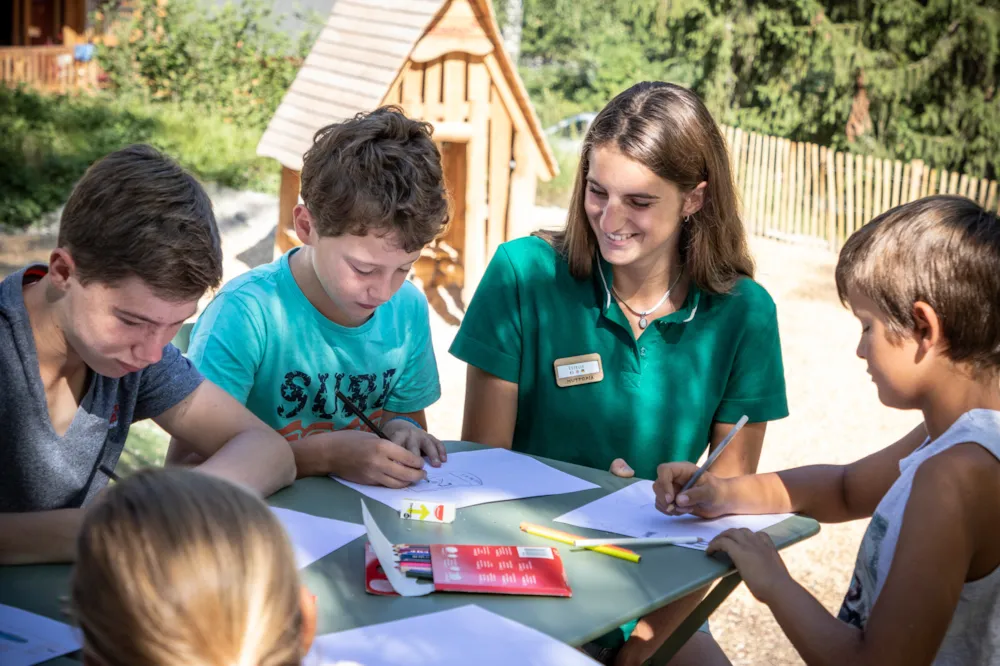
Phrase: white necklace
x=642 y=315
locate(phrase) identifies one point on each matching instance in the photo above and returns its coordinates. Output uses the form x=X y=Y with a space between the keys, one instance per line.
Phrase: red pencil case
x=527 y=570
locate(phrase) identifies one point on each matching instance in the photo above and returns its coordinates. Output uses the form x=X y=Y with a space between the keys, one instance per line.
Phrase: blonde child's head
x=179 y=568
x=925 y=277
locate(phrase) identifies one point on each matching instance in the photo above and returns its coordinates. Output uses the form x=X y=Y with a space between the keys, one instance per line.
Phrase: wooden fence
x=803 y=191
x=46 y=68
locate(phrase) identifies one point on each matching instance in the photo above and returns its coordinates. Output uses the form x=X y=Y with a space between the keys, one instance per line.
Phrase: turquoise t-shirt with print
x=262 y=341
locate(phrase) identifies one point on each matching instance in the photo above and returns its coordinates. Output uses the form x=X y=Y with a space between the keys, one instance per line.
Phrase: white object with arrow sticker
x=429 y=512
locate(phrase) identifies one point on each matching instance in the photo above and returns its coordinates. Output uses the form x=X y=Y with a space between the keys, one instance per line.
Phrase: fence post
x=817 y=197
x=769 y=178
x=953 y=183
x=778 y=216
x=897 y=183
x=886 y=185
x=749 y=182
x=839 y=158
x=849 y=195
x=831 y=199
x=925 y=179
x=916 y=174
x=741 y=152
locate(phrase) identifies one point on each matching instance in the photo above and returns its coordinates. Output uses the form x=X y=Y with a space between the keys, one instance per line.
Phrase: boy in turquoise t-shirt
x=338 y=314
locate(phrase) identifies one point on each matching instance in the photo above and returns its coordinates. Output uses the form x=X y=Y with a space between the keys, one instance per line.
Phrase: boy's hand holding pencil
x=706 y=499
x=388 y=456
x=363 y=457
x=683 y=487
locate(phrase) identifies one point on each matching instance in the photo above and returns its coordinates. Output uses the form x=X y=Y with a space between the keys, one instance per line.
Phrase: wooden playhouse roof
x=357 y=57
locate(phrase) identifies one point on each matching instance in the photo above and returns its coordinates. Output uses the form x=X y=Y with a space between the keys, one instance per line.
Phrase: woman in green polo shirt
x=636 y=335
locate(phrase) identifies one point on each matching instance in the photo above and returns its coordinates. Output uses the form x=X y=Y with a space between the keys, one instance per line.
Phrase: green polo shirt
x=715 y=359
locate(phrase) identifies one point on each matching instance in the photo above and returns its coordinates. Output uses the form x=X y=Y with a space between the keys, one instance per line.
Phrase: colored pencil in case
x=427 y=575
x=405 y=557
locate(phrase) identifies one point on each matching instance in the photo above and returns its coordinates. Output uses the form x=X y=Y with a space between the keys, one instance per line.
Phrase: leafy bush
x=232 y=60
x=197 y=81
x=47 y=142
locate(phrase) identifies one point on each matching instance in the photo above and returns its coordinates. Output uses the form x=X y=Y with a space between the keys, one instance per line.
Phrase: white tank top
x=973 y=637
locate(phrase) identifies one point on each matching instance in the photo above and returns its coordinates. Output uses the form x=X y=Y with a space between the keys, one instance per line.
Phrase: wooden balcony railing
x=46 y=68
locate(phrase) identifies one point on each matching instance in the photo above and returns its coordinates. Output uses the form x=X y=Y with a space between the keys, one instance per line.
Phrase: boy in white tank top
x=924 y=281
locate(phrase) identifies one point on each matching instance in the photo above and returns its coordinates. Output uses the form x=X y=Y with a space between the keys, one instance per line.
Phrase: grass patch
x=557 y=191
x=48 y=141
x=146 y=445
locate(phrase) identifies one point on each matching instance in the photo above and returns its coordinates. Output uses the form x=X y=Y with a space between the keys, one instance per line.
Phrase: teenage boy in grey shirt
x=85 y=352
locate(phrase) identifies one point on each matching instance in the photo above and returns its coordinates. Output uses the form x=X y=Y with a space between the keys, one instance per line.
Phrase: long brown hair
x=175 y=567
x=667 y=129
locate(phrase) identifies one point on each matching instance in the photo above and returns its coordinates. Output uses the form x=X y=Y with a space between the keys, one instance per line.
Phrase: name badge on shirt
x=577 y=370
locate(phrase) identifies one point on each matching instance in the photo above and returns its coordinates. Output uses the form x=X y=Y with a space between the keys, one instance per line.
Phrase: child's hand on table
x=755 y=557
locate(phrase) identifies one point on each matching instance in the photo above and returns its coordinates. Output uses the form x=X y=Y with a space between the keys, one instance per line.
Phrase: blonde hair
x=667 y=129
x=178 y=568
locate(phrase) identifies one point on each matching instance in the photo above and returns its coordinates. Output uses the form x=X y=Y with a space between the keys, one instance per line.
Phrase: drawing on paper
x=442 y=480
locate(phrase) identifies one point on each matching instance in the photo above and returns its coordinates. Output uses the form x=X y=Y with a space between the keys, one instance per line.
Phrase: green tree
x=932 y=70
x=919 y=76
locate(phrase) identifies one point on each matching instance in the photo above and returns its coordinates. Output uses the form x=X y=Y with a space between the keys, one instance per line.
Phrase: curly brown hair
x=136 y=213
x=379 y=172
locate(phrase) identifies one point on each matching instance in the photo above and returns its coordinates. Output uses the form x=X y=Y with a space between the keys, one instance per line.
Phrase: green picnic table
x=607 y=592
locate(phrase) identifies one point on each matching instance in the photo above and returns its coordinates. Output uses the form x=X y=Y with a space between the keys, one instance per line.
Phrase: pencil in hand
x=361 y=415
x=715 y=454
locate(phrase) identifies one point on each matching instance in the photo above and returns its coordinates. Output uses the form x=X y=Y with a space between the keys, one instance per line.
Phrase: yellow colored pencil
x=571 y=539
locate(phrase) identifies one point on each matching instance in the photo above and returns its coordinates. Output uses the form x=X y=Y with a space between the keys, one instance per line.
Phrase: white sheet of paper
x=407 y=587
x=455 y=637
x=632 y=511
x=27 y=638
x=479 y=477
x=313 y=537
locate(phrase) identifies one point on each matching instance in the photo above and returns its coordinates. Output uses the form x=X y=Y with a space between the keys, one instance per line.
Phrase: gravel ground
x=835 y=414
